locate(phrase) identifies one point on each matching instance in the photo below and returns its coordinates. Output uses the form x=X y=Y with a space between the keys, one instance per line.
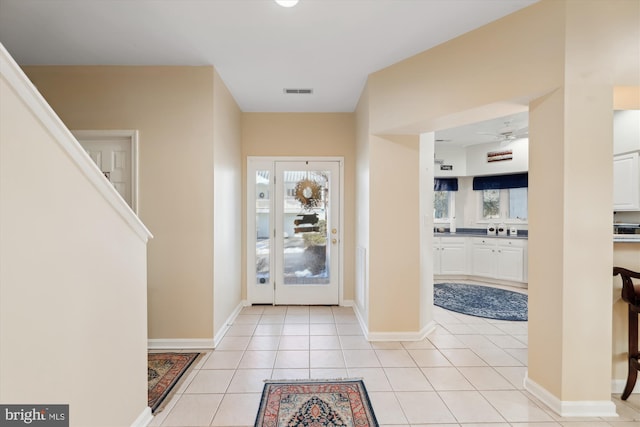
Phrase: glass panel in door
x=307 y=233
x=305 y=227
x=263 y=227
x=260 y=232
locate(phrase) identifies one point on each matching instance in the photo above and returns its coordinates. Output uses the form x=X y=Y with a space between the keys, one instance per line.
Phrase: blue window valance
x=445 y=184
x=497 y=182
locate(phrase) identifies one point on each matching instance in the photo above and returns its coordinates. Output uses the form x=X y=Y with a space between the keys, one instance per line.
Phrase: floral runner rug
x=164 y=371
x=315 y=403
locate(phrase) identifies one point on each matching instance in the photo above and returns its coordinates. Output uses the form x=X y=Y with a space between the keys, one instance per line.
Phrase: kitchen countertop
x=626 y=238
x=522 y=234
x=479 y=232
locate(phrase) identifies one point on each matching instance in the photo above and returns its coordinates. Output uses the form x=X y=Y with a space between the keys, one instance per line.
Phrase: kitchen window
x=442 y=205
x=444 y=193
x=505 y=205
x=502 y=198
x=518 y=203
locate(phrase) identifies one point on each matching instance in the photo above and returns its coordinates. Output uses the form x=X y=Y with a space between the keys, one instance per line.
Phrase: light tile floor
x=469 y=372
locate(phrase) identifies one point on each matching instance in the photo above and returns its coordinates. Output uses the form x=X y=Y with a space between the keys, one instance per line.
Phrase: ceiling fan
x=508 y=133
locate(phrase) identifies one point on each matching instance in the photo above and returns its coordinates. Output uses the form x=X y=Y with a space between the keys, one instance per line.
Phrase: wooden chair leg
x=632 y=375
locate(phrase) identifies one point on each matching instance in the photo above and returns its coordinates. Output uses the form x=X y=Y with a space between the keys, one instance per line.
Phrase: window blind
x=445 y=184
x=497 y=182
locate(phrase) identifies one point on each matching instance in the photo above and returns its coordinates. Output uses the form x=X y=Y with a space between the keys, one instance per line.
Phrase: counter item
x=502 y=230
x=491 y=229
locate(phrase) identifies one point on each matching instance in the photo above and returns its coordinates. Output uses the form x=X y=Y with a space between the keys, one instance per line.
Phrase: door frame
x=128 y=136
x=250 y=222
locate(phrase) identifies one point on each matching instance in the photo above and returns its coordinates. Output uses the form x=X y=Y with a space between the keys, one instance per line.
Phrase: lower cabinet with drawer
x=498 y=258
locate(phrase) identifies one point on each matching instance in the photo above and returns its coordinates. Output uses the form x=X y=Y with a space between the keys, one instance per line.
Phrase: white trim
x=403 y=336
x=144 y=418
x=28 y=93
x=250 y=211
x=131 y=136
x=196 y=343
x=180 y=343
x=361 y=320
x=390 y=336
x=232 y=317
x=267 y=293
x=341 y=300
x=578 y=408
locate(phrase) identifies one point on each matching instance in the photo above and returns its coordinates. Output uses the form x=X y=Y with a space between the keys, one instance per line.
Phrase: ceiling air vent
x=298 y=91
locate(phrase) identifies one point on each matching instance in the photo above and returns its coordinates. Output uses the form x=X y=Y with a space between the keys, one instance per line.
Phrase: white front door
x=114 y=153
x=294 y=226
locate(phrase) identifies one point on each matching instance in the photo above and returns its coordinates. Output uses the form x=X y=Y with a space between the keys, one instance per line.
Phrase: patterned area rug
x=164 y=371
x=314 y=403
x=481 y=301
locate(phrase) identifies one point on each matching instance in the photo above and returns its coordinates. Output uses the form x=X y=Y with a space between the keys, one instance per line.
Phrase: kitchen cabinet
x=449 y=255
x=498 y=258
x=626 y=185
x=626 y=131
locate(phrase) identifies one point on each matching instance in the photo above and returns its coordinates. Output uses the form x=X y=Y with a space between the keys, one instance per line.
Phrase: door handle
x=334 y=241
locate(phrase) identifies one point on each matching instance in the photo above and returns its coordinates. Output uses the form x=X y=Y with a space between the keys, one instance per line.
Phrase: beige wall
x=227 y=205
x=309 y=134
x=394 y=238
x=510 y=60
x=72 y=282
x=626 y=97
x=173 y=109
x=543 y=54
x=543 y=233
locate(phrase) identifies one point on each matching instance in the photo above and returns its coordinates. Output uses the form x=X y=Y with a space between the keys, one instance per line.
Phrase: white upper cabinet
x=626 y=163
x=626 y=182
x=626 y=131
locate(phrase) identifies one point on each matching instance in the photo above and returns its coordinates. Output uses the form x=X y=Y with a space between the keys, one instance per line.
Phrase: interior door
x=294 y=224
x=114 y=153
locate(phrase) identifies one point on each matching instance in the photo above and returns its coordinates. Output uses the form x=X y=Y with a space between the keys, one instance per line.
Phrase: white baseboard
x=392 y=336
x=143 y=419
x=402 y=336
x=617 y=387
x=196 y=343
x=348 y=303
x=180 y=344
x=361 y=320
x=578 y=408
x=228 y=323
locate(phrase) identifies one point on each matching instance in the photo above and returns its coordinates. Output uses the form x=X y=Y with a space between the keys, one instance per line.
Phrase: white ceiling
x=499 y=129
x=258 y=47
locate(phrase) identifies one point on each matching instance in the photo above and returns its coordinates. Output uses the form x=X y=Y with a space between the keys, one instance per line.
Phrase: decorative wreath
x=307 y=192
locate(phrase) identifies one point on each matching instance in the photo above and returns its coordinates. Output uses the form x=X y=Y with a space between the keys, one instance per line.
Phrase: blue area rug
x=481 y=301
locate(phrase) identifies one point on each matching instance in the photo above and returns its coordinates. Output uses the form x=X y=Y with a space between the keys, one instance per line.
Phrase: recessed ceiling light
x=287 y=3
